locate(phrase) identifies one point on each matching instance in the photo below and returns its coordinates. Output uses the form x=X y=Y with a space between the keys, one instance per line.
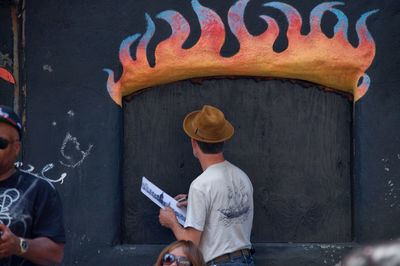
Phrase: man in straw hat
x=220 y=204
x=31 y=221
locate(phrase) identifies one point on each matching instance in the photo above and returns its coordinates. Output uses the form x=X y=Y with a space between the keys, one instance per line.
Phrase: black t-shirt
x=30 y=207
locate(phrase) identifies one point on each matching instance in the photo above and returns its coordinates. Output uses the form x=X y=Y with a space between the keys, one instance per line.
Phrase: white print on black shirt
x=7 y=198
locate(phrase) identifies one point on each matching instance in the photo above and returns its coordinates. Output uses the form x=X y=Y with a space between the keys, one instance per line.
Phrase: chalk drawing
x=71 y=113
x=41 y=174
x=47 y=68
x=332 y=254
x=392 y=191
x=7 y=198
x=5 y=60
x=72 y=152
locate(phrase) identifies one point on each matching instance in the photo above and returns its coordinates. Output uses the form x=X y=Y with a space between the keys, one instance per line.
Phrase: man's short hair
x=211 y=148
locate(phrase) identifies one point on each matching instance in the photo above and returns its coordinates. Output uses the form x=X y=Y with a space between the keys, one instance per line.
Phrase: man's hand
x=9 y=243
x=167 y=218
x=41 y=250
x=182 y=200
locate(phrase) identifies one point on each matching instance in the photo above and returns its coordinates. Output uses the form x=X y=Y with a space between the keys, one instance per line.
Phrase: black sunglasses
x=169 y=258
x=5 y=142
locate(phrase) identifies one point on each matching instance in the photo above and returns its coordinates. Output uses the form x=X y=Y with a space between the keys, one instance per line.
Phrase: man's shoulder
x=200 y=181
x=209 y=177
x=27 y=177
x=233 y=166
x=222 y=169
x=238 y=171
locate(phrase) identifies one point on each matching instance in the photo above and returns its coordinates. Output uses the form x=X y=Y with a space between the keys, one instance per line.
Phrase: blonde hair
x=191 y=252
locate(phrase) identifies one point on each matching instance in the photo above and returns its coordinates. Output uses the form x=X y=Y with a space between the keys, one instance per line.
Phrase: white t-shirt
x=220 y=204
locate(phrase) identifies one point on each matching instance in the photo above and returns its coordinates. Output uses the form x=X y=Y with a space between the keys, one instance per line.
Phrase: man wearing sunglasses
x=220 y=203
x=31 y=221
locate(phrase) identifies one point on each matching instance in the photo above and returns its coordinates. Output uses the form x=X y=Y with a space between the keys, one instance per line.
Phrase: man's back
x=221 y=205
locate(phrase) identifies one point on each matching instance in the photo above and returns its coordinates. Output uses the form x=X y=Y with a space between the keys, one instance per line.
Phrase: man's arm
x=41 y=250
x=168 y=219
x=44 y=251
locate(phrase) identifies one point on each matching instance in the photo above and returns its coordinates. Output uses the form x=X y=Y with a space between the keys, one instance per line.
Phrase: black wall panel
x=292 y=139
x=73 y=126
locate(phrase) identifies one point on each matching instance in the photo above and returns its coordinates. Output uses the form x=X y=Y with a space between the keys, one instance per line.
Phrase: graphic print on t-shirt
x=238 y=206
x=7 y=198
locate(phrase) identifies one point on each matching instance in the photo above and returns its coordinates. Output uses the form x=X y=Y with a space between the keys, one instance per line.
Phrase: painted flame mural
x=6 y=75
x=332 y=62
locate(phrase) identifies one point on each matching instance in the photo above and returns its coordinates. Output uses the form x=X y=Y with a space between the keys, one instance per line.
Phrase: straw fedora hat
x=208 y=125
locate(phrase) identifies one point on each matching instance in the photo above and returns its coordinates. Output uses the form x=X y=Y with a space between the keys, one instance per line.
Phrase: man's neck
x=7 y=174
x=206 y=160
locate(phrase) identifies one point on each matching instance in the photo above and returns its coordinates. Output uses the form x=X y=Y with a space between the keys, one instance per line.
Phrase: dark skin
x=41 y=250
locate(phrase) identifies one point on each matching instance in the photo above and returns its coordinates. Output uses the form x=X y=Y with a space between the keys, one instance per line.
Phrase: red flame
x=7 y=76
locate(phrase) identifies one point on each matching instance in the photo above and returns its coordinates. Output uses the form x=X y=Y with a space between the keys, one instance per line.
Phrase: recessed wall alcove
x=292 y=138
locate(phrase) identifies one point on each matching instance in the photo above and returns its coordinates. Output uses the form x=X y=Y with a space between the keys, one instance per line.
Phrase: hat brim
x=6 y=121
x=227 y=133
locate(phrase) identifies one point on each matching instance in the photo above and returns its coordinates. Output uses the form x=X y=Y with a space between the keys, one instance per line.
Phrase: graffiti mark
x=41 y=174
x=392 y=190
x=5 y=60
x=7 y=198
x=331 y=253
x=47 y=68
x=72 y=153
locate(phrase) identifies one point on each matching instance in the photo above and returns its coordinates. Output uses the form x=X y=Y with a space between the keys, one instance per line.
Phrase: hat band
x=10 y=121
x=201 y=135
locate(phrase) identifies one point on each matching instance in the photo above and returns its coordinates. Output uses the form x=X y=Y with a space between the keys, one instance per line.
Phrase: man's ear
x=194 y=143
x=195 y=148
x=17 y=148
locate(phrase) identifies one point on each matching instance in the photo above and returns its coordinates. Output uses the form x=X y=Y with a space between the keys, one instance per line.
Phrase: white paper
x=162 y=199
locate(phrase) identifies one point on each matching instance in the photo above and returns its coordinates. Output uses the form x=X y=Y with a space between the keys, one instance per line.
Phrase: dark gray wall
x=377 y=142
x=67 y=44
x=292 y=139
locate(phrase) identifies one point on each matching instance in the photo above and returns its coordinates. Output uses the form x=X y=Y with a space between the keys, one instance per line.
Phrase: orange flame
x=7 y=76
x=332 y=62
